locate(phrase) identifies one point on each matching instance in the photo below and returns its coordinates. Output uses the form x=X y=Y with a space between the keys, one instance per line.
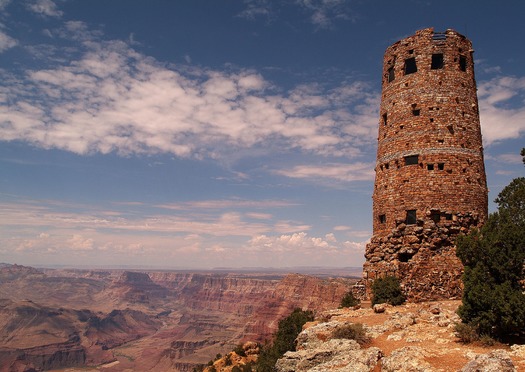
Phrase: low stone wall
x=422 y=256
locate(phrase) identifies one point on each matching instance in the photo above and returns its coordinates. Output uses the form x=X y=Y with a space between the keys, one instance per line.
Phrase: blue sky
x=198 y=134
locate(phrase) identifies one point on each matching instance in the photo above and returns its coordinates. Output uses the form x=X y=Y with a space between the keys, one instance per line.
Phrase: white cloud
x=324 y=12
x=4 y=4
x=345 y=172
x=45 y=7
x=6 y=42
x=502 y=108
x=114 y=99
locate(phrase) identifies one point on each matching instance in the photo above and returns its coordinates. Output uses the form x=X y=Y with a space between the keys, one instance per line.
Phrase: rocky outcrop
x=495 y=361
x=412 y=337
x=334 y=354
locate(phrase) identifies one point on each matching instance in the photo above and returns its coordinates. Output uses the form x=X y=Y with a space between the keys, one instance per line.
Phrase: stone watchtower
x=430 y=180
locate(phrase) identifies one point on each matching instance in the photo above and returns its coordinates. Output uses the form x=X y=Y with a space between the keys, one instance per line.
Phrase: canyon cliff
x=158 y=320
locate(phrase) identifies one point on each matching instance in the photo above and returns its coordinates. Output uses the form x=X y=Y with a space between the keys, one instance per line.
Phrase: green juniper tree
x=493 y=301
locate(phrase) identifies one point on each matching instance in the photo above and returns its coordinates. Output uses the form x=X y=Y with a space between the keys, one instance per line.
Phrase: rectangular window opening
x=463 y=63
x=410 y=65
x=437 y=61
x=411 y=159
x=391 y=74
x=435 y=216
x=382 y=218
x=416 y=112
x=441 y=166
x=385 y=117
x=387 y=166
x=411 y=217
x=448 y=216
x=430 y=167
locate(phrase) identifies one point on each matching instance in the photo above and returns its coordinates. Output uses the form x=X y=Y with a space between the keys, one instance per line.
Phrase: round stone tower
x=430 y=180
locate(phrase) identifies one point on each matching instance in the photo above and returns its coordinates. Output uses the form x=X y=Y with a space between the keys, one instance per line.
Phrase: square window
x=437 y=61
x=430 y=167
x=410 y=66
x=441 y=166
x=416 y=112
x=411 y=159
x=435 y=216
x=411 y=217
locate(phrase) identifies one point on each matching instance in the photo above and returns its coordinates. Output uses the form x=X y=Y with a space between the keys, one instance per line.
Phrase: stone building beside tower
x=430 y=180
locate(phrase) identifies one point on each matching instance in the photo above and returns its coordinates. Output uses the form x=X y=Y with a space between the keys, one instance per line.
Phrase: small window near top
x=411 y=217
x=463 y=63
x=385 y=119
x=430 y=167
x=382 y=218
x=448 y=217
x=437 y=61
x=410 y=66
x=387 y=166
x=416 y=112
x=391 y=74
x=441 y=166
x=411 y=159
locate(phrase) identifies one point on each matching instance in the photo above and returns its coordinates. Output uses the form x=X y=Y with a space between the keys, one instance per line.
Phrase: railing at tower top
x=439 y=36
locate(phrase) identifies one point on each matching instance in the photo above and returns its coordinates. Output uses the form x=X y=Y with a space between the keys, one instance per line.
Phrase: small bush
x=486 y=340
x=239 y=350
x=352 y=332
x=349 y=300
x=387 y=290
x=466 y=333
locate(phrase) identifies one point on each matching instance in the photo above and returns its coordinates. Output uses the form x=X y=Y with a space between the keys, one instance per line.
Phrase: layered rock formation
x=176 y=320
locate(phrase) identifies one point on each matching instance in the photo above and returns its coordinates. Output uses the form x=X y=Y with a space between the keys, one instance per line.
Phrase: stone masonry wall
x=430 y=177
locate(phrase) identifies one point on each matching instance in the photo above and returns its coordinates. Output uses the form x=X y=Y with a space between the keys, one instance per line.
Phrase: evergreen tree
x=494 y=257
x=284 y=339
x=387 y=290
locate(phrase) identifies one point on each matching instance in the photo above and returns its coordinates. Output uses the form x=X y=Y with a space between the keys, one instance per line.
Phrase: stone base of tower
x=422 y=256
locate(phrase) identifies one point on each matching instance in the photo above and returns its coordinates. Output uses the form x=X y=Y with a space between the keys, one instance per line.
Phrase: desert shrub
x=284 y=339
x=466 y=333
x=387 y=290
x=349 y=300
x=239 y=350
x=493 y=301
x=352 y=332
x=486 y=340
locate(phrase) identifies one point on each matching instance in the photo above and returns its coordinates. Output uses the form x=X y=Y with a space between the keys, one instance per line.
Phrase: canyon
x=57 y=319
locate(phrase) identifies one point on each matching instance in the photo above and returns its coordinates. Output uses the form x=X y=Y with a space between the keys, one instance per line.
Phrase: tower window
x=441 y=166
x=391 y=74
x=410 y=65
x=430 y=167
x=385 y=117
x=382 y=218
x=437 y=61
x=416 y=112
x=435 y=216
x=411 y=159
x=463 y=63
x=411 y=217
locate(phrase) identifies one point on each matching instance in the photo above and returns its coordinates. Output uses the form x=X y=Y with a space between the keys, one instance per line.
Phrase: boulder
x=495 y=361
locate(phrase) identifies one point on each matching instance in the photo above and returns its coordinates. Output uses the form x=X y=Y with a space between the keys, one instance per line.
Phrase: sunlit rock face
x=145 y=320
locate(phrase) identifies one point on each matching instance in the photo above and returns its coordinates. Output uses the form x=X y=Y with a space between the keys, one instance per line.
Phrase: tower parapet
x=430 y=180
